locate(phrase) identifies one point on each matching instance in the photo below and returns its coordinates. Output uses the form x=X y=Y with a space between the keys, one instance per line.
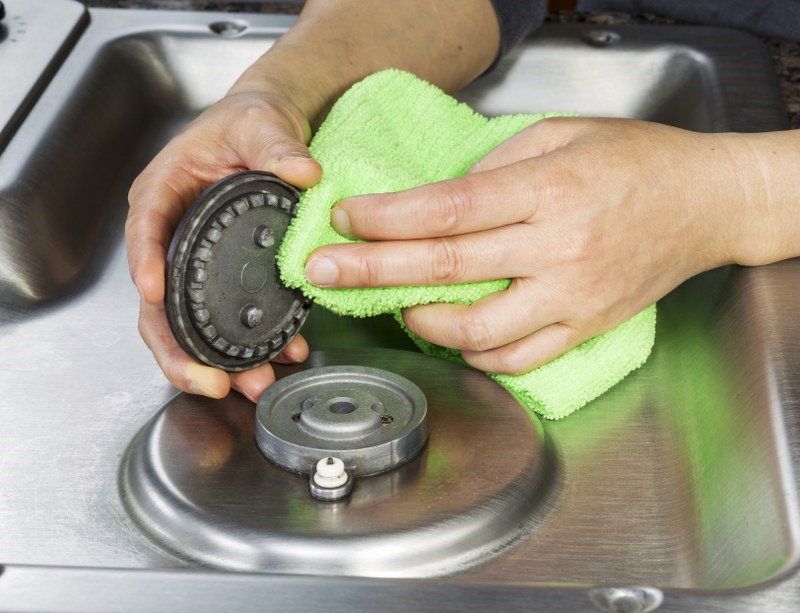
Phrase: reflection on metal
x=626 y=599
x=196 y=482
x=681 y=477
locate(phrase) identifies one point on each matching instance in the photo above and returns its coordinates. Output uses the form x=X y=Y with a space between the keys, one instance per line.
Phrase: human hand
x=247 y=130
x=592 y=219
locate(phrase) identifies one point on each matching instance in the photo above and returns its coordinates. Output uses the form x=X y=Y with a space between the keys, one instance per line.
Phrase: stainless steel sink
x=679 y=484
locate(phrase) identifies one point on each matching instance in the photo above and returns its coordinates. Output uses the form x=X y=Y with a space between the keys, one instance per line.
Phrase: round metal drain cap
x=225 y=302
x=372 y=419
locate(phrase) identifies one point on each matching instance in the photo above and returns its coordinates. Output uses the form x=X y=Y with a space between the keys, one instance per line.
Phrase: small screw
x=263 y=236
x=627 y=600
x=386 y=419
x=252 y=316
x=601 y=38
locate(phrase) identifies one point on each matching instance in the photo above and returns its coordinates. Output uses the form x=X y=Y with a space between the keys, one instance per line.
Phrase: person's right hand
x=244 y=131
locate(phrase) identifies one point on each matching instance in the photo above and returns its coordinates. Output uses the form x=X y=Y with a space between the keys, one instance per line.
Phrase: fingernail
x=340 y=221
x=200 y=381
x=321 y=271
x=291 y=156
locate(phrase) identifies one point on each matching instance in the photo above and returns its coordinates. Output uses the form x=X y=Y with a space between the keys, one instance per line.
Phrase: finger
x=156 y=206
x=268 y=141
x=493 y=321
x=527 y=353
x=472 y=203
x=538 y=139
x=472 y=257
x=183 y=372
x=295 y=351
x=252 y=383
x=290 y=160
x=300 y=170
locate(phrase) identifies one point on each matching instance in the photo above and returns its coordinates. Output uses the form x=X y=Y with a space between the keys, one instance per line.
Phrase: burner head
x=225 y=302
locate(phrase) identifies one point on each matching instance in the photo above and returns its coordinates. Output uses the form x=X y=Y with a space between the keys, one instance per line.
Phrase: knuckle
x=277 y=146
x=556 y=185
x=368 y=216
x=370 y=270
x=138 y=190
x=572 y=335
x=451 y=207
x=134 y=190
x=254 y=109
x=512 y=362
x=473 y=332
x=133 y=228
x=447 y=262
x=550 y=125
x=144 y=328
x=581 y=245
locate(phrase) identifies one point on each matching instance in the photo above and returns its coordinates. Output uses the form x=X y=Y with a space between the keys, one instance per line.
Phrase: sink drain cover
x=371 y=419
x=197 y=484
x=225 y=302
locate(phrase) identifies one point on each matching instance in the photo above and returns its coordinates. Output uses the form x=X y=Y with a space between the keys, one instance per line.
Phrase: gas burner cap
x=225 y=301
x=371 y=419
x=197 y=485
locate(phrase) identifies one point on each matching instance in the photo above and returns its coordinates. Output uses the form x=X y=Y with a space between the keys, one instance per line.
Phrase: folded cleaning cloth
x=392 y=131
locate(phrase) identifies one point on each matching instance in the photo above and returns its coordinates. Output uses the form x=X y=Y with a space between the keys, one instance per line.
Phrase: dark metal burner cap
x=225 y=301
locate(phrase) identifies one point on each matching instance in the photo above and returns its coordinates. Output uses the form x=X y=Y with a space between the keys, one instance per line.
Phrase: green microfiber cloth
x=390 y=132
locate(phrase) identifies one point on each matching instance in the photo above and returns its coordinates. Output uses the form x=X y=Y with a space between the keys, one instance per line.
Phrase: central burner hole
x=342 y=407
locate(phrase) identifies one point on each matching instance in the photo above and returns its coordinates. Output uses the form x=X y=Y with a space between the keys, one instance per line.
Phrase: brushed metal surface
x=683 y=477
x=35 y=36
x=196 y=482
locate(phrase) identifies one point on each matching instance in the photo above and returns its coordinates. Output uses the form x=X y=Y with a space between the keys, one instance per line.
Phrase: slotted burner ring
x=371 y=419
x=225 y=302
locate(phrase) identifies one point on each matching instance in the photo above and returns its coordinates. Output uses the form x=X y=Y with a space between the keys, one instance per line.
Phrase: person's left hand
x=592 y=219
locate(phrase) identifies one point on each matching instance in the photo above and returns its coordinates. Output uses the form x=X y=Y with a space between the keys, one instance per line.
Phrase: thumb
x=291 y=161
x=273 y=146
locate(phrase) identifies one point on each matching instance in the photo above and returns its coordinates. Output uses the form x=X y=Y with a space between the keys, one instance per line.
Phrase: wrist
x=261 y=78
x=308 y=74
x=765 y=190
x=737 y=196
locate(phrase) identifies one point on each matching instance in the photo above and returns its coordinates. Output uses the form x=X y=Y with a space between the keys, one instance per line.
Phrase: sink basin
x=677 y=487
